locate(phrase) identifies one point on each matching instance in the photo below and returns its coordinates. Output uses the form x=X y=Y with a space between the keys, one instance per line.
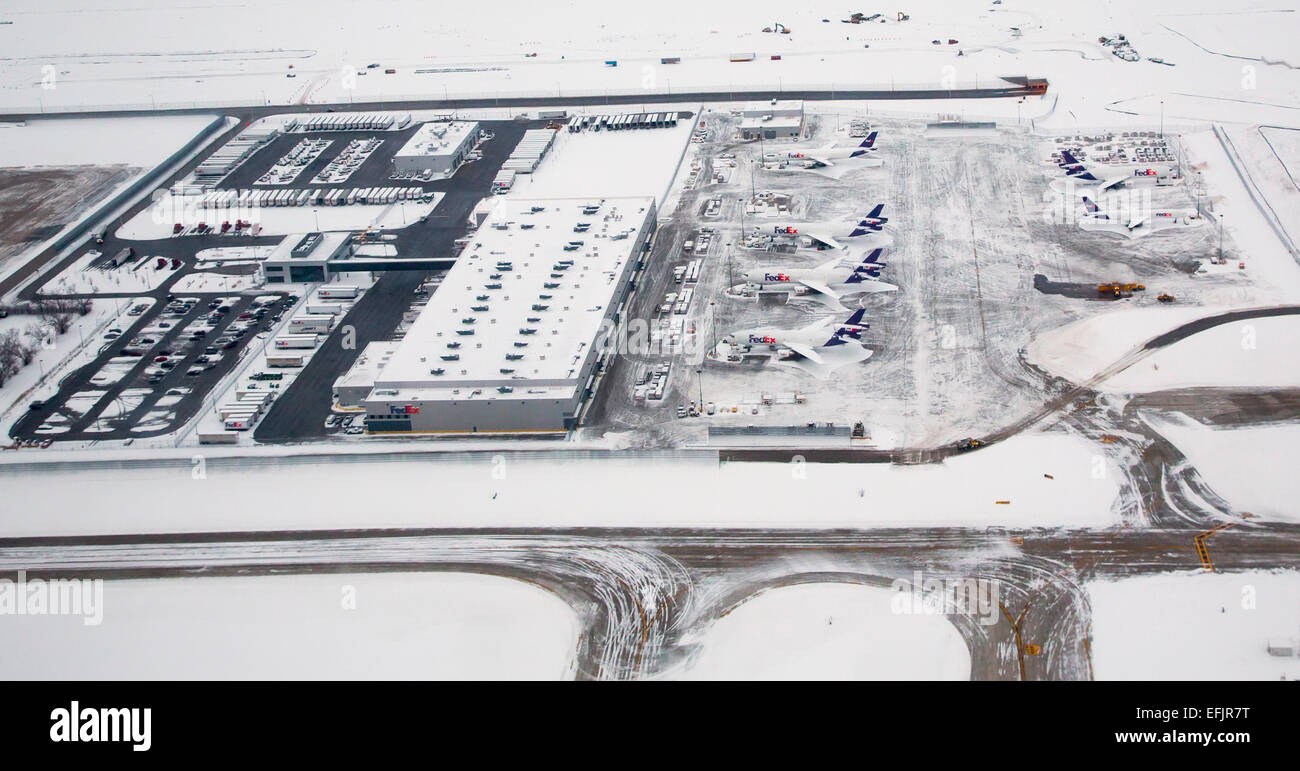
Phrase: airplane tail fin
x=856 y=318
x=1093 y=209
x=870 y=141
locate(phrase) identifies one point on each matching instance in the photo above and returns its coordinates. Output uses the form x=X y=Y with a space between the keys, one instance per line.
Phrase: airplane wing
x=804 y=350
x=818 y=286
x=820 y=159
x=867 y=286
x=1137 y=220
x=823 y=238
x=1110 y=182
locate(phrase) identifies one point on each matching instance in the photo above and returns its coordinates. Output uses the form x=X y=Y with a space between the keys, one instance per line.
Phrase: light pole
x=713 y=326
x=1221 y=239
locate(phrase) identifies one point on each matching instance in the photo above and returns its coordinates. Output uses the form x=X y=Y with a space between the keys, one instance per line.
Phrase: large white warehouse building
x=510 y=340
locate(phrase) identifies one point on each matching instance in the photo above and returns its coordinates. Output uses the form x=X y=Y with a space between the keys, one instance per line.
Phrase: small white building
x=775 y=119
x=304 y=258
x=437 y=147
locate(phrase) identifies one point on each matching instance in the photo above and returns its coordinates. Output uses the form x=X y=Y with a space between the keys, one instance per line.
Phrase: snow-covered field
x=69 y=54
x=518 y=491
x=339 y=626
x=1249 y=468
x=827 y=631
x=609 y=163
x=1194 y=626
x=138 y=144
x=1262 y=352
x=96 y=141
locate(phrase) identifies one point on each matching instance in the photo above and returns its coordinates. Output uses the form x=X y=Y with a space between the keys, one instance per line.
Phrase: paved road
x=643 y=597
x=1007 y=90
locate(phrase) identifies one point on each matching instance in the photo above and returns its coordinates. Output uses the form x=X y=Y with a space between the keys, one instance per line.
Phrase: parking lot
x=152 y=374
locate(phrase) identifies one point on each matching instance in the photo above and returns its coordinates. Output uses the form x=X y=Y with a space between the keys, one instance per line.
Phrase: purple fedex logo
x=776 y=277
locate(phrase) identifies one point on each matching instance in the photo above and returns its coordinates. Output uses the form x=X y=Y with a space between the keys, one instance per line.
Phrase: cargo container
x=337 y=292
x=218 y=437
x=324 y=309
x=286 y=360
x=235 y=409
x=239 y=424
x=297 y=341
x=352 y=196
x=310 y=323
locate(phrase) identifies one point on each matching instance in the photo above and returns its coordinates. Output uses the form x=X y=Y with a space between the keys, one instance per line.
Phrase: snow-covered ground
x=1081 y=349
x=338 y=626
x=140 y=274
x=71 y=54
x=609 y=163
x=137 y=143
x=1194 y=626
x=827 y=631
x=565 y=492
x=96 y=141
x=1250 y=468
x=1262 y=352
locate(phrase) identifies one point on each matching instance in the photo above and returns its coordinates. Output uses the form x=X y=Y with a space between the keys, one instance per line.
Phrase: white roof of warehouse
x=552 y=357
x=781 y=105
x=432 y=139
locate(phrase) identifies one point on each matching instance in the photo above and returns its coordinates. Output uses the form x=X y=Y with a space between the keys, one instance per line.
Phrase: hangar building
x=775 y=119
x=437 y=147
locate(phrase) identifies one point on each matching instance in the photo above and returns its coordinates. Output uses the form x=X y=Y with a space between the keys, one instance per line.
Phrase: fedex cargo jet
x=811 y=342
x=1106 y=178
x=823 y=156
x=830 y=235
x=829 y=279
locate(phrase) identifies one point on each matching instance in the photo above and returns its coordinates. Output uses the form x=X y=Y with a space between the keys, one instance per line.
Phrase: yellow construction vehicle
x=1117 y=289
x=1165 y=297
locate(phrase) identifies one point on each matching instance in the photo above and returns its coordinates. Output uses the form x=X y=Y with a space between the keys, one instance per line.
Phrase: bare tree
x=57 y=319
x=11 y=344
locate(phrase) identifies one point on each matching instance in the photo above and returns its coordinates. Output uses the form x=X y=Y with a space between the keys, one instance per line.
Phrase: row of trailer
x=219 y=199
x=377 y=121
x=532 y=147
x=230 y=155
x=645 y=120
x=242 y=412
x=371 y=195
x=305 y=333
